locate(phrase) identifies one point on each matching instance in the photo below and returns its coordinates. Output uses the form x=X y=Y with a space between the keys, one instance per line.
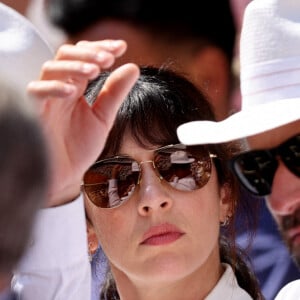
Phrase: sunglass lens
x=290 y=154
x=185 y=169
x=256 y=171
x=111 y=182
x=97 y=193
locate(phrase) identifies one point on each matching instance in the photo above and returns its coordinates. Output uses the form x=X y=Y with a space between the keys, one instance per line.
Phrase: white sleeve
x=56 y=264
x=184 y=184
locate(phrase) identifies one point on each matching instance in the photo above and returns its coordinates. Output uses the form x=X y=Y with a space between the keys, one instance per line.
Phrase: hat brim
x=247 y=122
x=186 y=161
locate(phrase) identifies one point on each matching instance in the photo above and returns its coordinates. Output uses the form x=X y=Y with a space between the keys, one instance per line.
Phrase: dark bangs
x=159 y=102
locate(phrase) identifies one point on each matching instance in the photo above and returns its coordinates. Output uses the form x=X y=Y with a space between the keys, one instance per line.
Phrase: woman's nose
x=153 y=194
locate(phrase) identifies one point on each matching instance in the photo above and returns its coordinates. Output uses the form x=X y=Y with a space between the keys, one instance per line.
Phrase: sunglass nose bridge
x=147 y=161
x=154 y=167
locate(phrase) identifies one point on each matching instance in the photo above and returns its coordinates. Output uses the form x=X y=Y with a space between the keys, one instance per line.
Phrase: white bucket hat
x=270 y=76
x=22 y=49
x=180 y=157
x=135 y=167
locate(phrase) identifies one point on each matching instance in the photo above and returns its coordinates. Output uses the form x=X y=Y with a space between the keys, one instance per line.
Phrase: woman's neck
x=196 y=285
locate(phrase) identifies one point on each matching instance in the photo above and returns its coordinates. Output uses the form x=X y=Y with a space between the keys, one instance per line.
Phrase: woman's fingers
x=116 y=47
x=76 y=64
x=66 y=70
x=51 y=89
x=102 y=58
x=102 y=53
x=114 y=91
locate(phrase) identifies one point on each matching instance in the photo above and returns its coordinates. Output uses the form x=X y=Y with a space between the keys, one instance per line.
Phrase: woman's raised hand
x=75 y=131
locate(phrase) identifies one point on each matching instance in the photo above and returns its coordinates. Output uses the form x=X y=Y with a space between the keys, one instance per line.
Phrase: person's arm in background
x=56 y=265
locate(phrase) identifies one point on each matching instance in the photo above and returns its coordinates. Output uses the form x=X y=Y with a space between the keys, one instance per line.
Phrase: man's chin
x=296 y=259
x=295 y=252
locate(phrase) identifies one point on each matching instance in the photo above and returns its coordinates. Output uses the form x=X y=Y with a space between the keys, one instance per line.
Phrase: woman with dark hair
x=162 y=241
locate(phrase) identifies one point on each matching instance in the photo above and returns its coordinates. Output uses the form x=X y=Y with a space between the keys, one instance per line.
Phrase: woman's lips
x=161 y=234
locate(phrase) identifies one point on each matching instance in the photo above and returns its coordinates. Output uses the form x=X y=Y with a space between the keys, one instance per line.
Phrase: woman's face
x=160 y=233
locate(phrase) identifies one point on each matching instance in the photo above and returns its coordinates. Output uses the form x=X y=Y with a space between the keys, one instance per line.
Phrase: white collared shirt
x=227 y=287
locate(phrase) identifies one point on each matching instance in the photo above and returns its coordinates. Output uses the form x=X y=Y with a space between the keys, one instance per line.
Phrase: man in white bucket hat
x=270 y=72
x=270 y=115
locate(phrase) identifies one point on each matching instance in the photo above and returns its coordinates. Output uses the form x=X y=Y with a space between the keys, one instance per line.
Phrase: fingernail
x=116 y=43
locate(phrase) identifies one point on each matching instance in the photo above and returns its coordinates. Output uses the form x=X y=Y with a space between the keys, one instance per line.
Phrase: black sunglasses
x=110 y=182
x=256 y=169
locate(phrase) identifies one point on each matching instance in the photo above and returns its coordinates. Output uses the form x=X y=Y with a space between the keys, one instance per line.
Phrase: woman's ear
x=92 y=238
x=226 y=204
